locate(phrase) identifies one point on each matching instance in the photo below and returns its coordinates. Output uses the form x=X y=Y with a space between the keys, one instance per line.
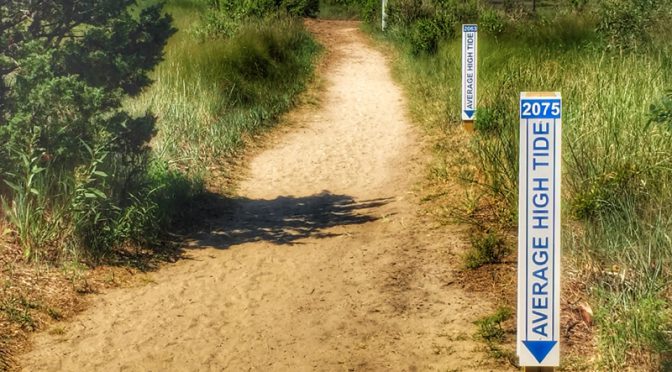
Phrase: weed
x=490 y=330
x=57 y=331
x=486 y=249
x=18 y=311
x=54 y=313
x=490 y=327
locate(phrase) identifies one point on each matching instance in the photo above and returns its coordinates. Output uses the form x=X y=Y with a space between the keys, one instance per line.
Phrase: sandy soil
x=324 y=262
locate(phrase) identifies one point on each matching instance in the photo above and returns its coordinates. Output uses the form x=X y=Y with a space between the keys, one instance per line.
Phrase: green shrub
x=490 y=327
x=405 y=13
x=223 y=18
x=661 y=112
x=70 y=153
x=79 y=179
x=491 y=22
x=370 y=10
x=629 y=23
x=486 y=249
x=308 y=8
x=425 y=36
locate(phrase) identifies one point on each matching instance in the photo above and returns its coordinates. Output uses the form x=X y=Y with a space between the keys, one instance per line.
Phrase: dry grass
x=34 y=296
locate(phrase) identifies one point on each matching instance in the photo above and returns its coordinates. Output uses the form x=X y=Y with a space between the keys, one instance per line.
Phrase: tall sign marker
x=539 y=229
x=383 y=16
x=469 y=64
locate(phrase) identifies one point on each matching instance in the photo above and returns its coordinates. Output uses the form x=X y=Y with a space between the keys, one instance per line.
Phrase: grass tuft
x=486 y=249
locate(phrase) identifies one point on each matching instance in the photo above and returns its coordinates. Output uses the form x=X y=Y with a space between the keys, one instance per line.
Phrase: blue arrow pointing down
x=469 y=113
x=540 y=348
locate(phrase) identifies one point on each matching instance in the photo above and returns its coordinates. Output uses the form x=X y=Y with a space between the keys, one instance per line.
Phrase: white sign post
x=469 y=64
x=384 y=15
x=539 y=230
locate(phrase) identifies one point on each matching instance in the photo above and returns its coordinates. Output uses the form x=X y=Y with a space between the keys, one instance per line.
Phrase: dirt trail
x=324 y=262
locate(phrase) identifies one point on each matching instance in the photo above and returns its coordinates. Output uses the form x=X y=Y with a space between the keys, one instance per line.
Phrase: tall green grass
x=617 y=164
x=212 y=94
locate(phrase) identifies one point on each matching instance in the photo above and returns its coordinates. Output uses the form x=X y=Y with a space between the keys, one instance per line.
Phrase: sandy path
x=323 y=264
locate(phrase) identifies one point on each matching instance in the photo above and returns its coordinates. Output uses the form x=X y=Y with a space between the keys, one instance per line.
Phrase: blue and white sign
x=539 y=229
x=469 y=64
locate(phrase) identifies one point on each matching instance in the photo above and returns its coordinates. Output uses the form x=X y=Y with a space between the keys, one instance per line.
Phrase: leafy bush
x=370 y=10
x=490 y=327
x=661 y=112
x=405 y=13
x=491 y=22
x=70 y=156
x=78 y=175
x=425 y=36
x=628 y=23
x=486 y=249
x=225 y=17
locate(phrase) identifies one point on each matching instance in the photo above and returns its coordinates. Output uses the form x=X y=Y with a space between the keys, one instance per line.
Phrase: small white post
x=469 y=75
x=539 y=231
x=384 y=15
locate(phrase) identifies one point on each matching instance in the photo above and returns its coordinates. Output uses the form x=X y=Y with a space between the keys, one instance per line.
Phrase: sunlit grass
x=209 y=95
x=617 y=166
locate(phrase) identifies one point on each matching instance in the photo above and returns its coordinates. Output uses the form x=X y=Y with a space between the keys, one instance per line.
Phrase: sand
x=324 y=262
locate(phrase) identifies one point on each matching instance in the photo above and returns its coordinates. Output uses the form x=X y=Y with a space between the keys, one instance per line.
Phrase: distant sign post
x=383 y=16
x=469 y=79
x=539 y=230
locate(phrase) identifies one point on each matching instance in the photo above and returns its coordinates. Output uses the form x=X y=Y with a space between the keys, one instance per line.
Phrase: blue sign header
x=540 y=109
x=470 y=28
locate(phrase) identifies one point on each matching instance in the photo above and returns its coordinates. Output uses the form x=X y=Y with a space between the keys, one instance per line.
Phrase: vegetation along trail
x=323 y=262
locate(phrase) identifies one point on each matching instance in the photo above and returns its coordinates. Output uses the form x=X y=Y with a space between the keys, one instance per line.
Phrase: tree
x=65 y=68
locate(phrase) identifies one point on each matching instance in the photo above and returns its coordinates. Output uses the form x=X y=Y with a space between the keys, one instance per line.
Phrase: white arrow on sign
x=469 y=64
x=539 y=229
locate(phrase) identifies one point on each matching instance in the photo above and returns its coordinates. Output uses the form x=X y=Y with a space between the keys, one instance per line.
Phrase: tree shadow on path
x=285 y=219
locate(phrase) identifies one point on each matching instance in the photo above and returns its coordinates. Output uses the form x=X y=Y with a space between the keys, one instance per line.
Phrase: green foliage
x=368 y=10
x=629 y=23
x=224 y=17
x=561 y=32
x=406 y=12
x=491 y=330
x=425 y=36
x=79 y=179
x=72 y=153
x=340 y=9
x=492 y=22
x=490 y=327
x=661 y=112
x=486 y=249
x=28 y=210
x=423 y=25
x=641 y=324
x=214 y=93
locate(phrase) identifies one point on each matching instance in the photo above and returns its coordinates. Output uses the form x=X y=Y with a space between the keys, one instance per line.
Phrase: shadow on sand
x=285 y=219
